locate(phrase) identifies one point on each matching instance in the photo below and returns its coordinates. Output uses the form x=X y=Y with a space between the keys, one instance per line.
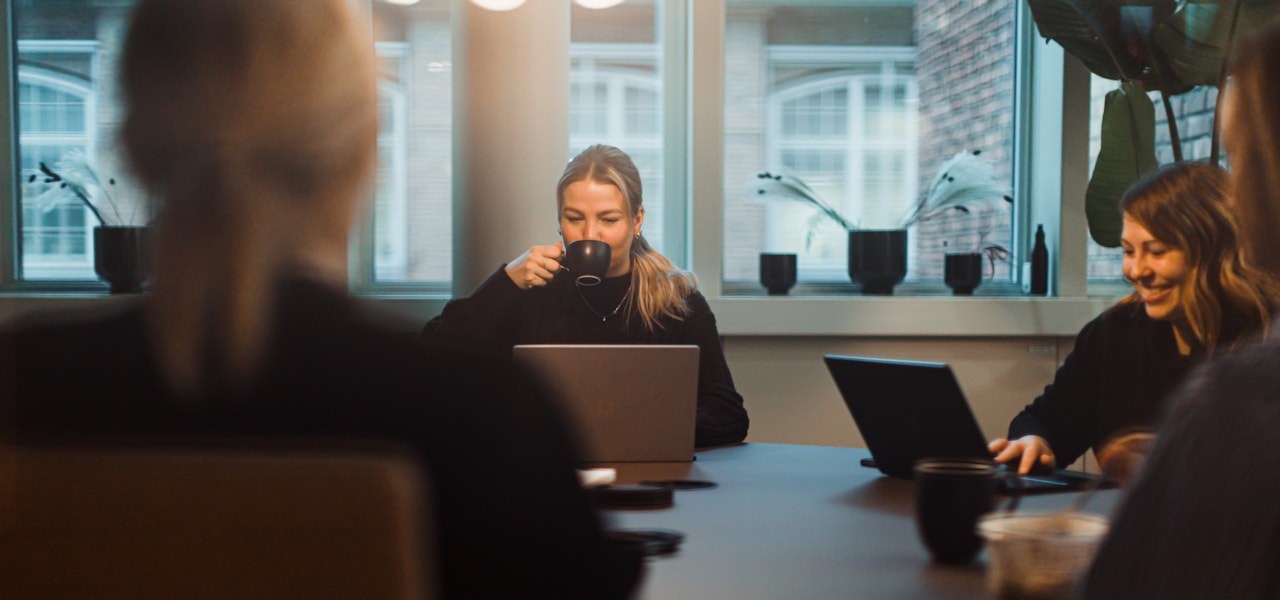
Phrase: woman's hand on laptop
x=1030 y=450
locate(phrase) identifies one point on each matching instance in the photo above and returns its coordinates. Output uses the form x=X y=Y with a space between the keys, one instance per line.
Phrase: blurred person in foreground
x=1195 y=297
x=1202 y=517
x=255 y=122
x=642 y=299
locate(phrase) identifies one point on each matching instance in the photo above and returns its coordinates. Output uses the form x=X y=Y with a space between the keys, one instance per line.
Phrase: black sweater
x=512 y=520
x=500 y=315
x=1202 y=518
x=1116 y=378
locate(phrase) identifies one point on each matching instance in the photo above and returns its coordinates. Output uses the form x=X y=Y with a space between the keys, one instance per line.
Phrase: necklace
x=603 y=317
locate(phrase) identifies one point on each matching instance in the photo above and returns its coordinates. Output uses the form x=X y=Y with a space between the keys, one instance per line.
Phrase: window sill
x=937 y=315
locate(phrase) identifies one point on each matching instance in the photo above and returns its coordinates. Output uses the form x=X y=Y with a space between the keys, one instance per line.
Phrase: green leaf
x=1196 y=39
x=1128 y=152
x=1106 y=35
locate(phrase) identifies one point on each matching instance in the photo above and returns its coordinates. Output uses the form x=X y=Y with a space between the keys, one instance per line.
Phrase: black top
x=512 y=520
x=1202 y=518
x=500 y=315
x=1116 y=378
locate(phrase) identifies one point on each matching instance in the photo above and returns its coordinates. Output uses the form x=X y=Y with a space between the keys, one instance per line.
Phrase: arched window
x=54 y=116
x=851 y=135
x=615 y=98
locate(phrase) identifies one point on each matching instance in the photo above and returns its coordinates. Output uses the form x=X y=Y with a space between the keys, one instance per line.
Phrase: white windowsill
x=872 y=316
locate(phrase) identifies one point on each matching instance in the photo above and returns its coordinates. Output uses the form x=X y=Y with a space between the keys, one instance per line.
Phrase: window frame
x=694 y=104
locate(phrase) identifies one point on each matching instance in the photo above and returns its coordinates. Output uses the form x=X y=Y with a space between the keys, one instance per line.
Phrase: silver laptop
x=629 y=403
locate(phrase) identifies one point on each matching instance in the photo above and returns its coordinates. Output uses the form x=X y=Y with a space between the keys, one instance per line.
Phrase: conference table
x=795 y=522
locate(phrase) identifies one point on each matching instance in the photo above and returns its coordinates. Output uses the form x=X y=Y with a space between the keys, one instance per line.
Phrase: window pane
x=864 y=103
x=413 y=202
x=615 y=76
x=67 y=121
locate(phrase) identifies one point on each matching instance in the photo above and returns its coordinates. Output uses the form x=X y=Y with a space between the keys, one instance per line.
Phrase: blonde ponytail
x=659 y=289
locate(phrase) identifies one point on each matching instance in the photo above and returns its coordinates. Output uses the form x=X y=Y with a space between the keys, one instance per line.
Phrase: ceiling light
x=498 y=4
x=402 y=2
x=598 y=4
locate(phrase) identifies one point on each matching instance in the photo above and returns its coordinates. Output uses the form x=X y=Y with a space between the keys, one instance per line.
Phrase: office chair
x=128 y=522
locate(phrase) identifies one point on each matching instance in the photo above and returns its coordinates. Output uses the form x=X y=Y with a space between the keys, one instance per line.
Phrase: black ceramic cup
x=587 y=261
x=951 y=493
x=777 y=272
x=962 y=272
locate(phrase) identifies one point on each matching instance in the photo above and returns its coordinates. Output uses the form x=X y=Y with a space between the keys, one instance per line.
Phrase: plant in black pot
x=121 y=241
x=965 y=186
x=963 y=272
x=878 y=257
x=778 y=267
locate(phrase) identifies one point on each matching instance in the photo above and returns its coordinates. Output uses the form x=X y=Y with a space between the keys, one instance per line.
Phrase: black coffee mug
x=587 y=261
x=950 y=495
x=777 y=272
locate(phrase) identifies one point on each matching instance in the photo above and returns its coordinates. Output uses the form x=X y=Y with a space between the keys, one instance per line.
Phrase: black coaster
x=631 y=496
x=682 y=484
x=654 y=542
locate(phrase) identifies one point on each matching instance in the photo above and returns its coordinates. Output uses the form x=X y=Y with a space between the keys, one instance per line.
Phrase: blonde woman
x=255 y=121
x=643 y=299
x=1195 y=296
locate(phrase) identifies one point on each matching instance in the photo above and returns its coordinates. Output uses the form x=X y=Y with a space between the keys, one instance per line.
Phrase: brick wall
x=964 y=68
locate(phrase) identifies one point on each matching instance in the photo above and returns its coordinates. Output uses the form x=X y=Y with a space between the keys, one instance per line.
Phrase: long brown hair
x=659 y=289
x=255 y=123
x=1254 y=144
x=1187 y=206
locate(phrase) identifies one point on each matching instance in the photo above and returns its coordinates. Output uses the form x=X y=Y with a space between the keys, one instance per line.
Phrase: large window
x=54 y=117
x=411 y=230
x=615 y=98
x=851 y=135
x=68 y=106
x=864 y=101
x=616 y=95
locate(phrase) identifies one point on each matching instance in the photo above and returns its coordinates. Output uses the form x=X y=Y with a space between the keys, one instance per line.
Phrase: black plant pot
x=777 y=272
x=962 y=272
x=122 y=257
x=878 y=259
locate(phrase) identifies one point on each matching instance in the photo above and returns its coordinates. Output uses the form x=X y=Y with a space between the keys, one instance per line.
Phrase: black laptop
x=907 y=410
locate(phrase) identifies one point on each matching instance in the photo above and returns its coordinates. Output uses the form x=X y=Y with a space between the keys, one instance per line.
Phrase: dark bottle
x=1039 y=265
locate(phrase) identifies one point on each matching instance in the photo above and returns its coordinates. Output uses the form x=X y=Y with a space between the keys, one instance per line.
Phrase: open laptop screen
x=629 y=403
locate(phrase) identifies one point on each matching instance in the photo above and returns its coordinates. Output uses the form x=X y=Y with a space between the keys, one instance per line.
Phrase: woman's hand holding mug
x=536 y=267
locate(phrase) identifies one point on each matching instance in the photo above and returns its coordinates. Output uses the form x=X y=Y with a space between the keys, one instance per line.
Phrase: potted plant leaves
x=964 y=184
x=121 y=241
x=1165 y=46
x=878 y=257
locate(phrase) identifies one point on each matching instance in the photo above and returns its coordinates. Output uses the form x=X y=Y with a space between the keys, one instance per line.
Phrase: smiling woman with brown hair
x=1194 y=295
x=1201 y=520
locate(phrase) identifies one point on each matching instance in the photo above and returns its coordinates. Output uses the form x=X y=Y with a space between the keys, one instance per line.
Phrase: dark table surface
x=790 y=521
